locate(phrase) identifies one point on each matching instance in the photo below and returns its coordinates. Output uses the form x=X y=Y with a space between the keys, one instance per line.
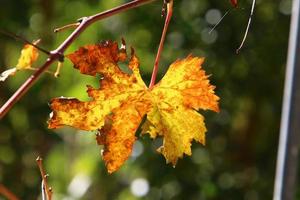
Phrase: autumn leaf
x=29 y=55
x=117 y=108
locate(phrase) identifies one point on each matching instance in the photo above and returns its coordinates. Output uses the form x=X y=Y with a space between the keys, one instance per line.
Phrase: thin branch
x=45 y=187
x=247 y=29
x=43 y=191
x=7 y=193
x=161 y=44
x=73 y=25
x=213 y=28
x=46 y=71
x=25 y=41
x=57 y=54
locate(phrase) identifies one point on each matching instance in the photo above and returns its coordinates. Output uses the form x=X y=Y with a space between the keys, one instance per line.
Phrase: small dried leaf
x=29 y=55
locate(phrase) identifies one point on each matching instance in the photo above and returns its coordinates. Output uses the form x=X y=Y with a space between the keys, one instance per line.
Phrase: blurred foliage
x=238 y=161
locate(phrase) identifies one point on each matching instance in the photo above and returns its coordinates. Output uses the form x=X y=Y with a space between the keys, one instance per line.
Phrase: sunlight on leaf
x=119 y=105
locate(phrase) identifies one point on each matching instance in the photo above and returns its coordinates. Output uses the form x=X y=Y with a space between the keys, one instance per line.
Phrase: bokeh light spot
x=138 y=149
x=139 y=187
x=213 y=16
x=209 y=37
x=79 y=185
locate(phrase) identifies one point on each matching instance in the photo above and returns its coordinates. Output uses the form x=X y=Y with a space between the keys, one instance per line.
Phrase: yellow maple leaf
x=119 y=105
x=29 y=55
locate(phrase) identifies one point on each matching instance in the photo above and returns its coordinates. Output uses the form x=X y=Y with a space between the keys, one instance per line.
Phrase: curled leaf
x=29 y=55
x=119 y=105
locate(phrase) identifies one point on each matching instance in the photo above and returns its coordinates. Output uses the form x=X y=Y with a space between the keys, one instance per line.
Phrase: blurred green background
x=238 y=162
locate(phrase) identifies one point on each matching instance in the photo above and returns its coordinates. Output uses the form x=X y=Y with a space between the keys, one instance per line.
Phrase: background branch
x=57 y=54
x=7 y=193
x=45 y=187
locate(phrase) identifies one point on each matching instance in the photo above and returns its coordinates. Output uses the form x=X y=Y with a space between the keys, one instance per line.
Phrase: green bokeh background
x=238 y=161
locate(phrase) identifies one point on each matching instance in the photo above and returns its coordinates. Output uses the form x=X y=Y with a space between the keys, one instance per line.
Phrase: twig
x=247 y=29
x=57 y=54
x=7 y=193
x=57 y=71
x=20 y=38
x=46 y=71
x=213 y=28
x=73 y=25
x=45 y=187
x=161 y=44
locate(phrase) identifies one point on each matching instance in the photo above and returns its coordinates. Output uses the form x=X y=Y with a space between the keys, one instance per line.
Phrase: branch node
x=39 y=159
x=80 y=20
x=61 y=57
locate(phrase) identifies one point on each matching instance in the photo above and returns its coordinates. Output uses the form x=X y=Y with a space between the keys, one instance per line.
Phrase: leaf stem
x=57 y=54
x=161 y=44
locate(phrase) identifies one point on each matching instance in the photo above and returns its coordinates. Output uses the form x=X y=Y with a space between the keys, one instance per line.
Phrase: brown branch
x=161 y=43
x=57 y=54
x=7 y=193
x=45 y=186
